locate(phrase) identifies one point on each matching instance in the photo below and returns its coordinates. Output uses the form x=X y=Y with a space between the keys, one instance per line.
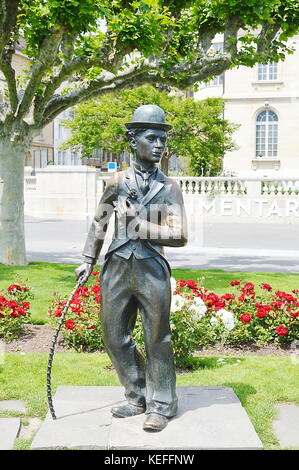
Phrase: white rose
x=173 y=284
x=177 y=302
x=227 y=318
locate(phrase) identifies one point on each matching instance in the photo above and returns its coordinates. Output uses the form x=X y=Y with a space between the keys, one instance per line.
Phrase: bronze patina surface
x=149 y=214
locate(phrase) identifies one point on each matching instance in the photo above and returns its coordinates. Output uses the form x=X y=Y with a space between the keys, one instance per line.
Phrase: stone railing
x=74 y=193
x=209 y=186
x=214 y=186
x=30 y=183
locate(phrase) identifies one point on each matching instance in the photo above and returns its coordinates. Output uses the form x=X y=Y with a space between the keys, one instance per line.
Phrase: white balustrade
x=30 y=183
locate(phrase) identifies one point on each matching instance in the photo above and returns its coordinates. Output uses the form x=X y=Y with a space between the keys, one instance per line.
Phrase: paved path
x=248 y=247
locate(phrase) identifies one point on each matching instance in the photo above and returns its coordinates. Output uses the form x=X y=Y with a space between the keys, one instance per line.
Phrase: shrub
x=14 y=309
x=250 y=314
x=198 y=317
x=81 y=329
x=190 y=321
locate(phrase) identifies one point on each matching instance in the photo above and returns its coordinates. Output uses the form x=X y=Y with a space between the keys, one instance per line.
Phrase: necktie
x=145 y=175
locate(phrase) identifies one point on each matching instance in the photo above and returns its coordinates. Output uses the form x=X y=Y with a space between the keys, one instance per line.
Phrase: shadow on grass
x=196 y=363
x=242 y=390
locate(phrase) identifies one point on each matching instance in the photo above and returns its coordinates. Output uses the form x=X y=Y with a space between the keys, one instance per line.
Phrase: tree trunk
x=12 y=233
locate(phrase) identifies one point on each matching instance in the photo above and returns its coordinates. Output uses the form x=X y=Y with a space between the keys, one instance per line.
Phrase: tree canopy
x=83 y=49
x=199 y=132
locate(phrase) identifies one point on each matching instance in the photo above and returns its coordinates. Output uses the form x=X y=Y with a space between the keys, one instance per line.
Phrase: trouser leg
x=118 y=316
x=154 y=297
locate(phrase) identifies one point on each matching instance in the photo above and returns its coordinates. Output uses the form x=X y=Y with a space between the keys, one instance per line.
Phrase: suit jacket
x=162 y=218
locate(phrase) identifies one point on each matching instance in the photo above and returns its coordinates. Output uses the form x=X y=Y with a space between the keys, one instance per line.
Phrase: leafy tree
x=82 y=49
x=198 y=133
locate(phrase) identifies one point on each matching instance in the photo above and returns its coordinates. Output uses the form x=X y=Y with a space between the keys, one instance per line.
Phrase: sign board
x=112 y=166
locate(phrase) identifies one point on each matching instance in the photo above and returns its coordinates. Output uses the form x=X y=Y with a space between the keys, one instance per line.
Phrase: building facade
x=264 y=101
x=41 y=152
x=61 y=135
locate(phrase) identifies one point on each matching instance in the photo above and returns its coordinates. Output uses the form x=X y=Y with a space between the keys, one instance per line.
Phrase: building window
x=267 y=72
x=266 y=134
x=217 y=47
x=40 y=158
x=60 y=131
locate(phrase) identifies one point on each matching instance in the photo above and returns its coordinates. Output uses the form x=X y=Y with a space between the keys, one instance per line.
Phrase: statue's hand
x=83 y=272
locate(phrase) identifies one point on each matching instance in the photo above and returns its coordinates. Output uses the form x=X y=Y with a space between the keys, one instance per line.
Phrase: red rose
x=95 y=273
x=261 y=312
x=14 y=314
x=181 y=283
x=1 y=316
x=192 y=284
x=92 y=327
x=235 y=283
x=25 y=305
x=12 y=304
x=281 y=330
x=14 y=287
x=284 y=296
x=294 y=314
x=266 y=286
x=227 y=297
x=3 y=300
x=295 y=291
x=277 y=304
x=219 y=306
x=248 y=287
x=245 y=318
x=78 y=310
x=96 y=289
x=70 y=324
x=21 y=311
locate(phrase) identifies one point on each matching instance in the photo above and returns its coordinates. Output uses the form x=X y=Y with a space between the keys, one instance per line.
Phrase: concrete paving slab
x=208 y=418
x=9 y=429
x=13 y=405
x=286 y=426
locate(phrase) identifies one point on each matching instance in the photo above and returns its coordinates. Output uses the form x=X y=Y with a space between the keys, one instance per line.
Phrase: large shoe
x=125 y=411
x=155 y=422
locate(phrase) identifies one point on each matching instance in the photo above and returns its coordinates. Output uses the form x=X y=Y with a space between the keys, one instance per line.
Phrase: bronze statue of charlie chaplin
x=149 y=214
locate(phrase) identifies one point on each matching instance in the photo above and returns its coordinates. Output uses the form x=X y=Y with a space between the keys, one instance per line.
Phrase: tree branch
x=151 y=72
x=8 y=20
x=109 y=58
x=266 y=36
x=10 y=78
x=46 y=58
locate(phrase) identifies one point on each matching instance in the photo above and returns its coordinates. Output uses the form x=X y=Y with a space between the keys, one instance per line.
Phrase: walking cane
x=52 y=349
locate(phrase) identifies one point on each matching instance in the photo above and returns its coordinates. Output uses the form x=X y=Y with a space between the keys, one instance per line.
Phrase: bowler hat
x=149 y=116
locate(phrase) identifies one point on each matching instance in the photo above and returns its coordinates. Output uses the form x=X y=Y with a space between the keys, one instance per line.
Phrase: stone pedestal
x=208 y=418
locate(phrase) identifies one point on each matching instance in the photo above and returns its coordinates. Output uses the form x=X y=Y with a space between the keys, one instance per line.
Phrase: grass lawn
x=46 y=278
x=259 y=382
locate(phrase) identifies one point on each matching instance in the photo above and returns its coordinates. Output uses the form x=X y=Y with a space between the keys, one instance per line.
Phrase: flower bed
x=199 y=317
x=14 y=310
x=82 y=329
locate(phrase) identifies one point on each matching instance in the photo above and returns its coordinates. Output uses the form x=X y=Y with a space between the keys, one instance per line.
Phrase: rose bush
x=198 y=317
x=191 y=320
x=14 y=309
x=81 y=329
